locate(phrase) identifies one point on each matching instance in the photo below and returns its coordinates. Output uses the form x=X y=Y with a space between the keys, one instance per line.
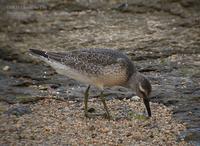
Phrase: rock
x=6 y=68
x=135 y=98
x=26 y=99
x=19 y=110
x=104 y=130
x=20 y=99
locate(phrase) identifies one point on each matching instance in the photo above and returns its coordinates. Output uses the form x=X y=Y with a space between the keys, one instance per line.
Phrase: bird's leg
x=86 y=101
x=105 y=105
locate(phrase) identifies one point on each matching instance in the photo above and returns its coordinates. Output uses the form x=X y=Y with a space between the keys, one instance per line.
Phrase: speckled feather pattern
x=93 y=61
x=104 y=67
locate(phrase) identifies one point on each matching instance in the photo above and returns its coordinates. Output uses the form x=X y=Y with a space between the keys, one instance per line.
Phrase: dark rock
x=19 y=110
x=91 y=110
x=20 y=99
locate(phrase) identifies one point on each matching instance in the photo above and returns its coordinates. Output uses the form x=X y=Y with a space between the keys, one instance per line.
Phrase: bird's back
x=99 y=67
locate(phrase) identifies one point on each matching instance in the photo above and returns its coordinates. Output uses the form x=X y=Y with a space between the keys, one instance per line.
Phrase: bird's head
x=142 y=87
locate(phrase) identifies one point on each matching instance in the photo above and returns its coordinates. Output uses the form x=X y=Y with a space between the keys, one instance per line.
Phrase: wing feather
x=93 y=61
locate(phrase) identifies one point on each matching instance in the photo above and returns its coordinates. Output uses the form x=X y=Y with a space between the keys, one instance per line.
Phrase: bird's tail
x=36 y=52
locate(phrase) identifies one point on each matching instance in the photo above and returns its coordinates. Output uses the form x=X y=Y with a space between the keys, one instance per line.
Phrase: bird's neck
x=133 y=80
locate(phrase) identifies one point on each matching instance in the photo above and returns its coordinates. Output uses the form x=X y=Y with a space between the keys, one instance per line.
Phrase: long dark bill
x=147 y=105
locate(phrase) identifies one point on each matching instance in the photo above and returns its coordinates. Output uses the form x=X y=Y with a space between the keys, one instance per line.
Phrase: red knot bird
x=101 y=68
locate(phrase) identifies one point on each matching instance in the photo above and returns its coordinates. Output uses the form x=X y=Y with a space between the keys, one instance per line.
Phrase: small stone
x=151 y=136
x=43 y=87
x=135 y=98
x=104 y=130
x=19 y=110
x=6 y=68
x=110 y=133
x=91 y=128
x=91 y=110
x=120 y=141
x=128 y=134
x=94 y=135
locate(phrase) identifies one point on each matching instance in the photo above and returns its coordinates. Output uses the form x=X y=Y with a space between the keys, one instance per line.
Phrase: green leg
x=105 y=105
x=86 y=101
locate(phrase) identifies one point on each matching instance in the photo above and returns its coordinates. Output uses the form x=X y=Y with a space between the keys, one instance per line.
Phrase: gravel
x=54 y=122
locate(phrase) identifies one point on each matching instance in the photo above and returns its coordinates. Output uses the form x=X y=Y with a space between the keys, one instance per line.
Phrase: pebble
x=135 y=98
x=104 y=130
x=6 y=68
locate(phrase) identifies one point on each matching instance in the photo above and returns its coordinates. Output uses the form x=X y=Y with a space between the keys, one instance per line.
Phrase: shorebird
x=101 y=68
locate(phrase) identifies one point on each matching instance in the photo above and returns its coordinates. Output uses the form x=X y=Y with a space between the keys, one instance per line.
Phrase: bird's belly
x=70 y=72
x=107 y=79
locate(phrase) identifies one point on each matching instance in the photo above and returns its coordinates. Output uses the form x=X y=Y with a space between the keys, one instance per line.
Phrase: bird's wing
x=102 y=66
x=83 y=56
x=89 y=60
x=92 y=61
